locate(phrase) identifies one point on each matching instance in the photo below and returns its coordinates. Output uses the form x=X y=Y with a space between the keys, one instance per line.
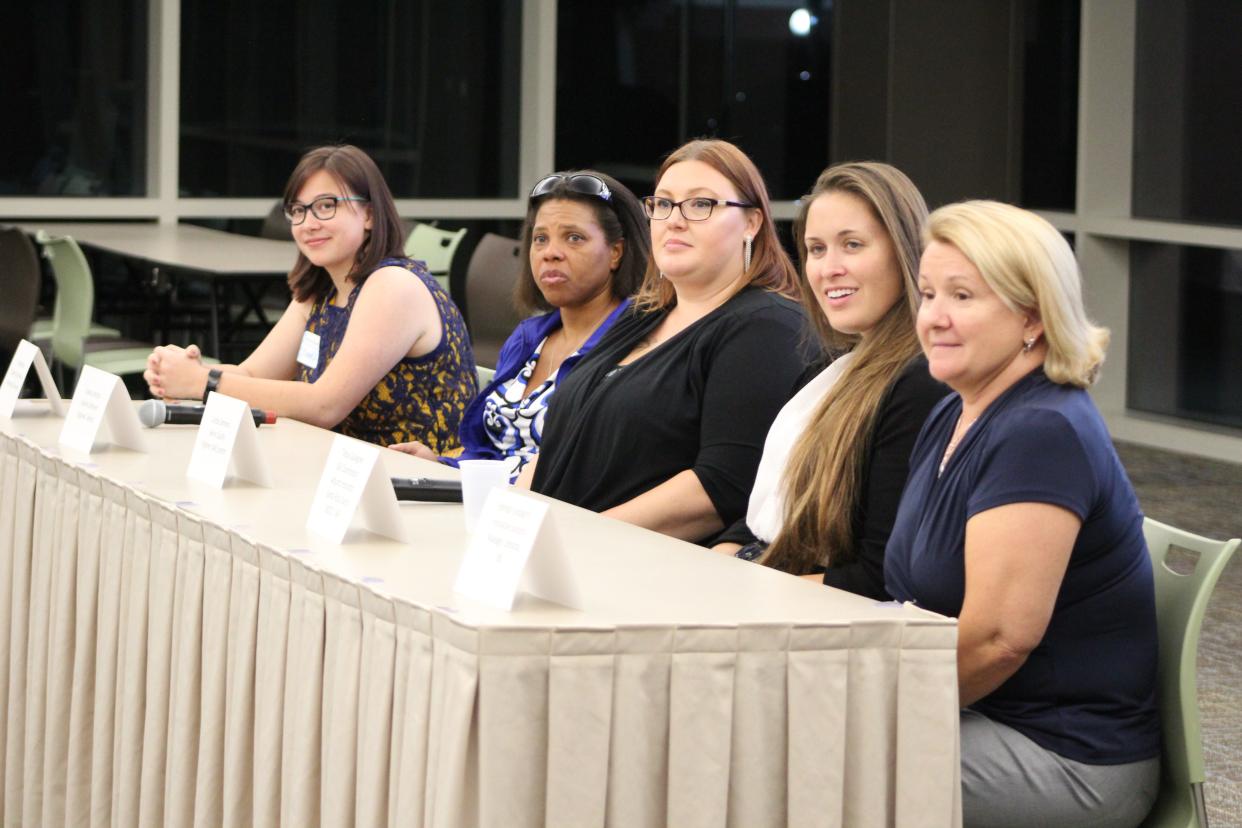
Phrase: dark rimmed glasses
x=323 y=208
x=698 y=208
x=582 y=183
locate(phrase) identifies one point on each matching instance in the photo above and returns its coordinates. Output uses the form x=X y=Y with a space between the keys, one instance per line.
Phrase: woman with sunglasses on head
x=586 y=246
x=663 y=424
x=836 y=457
x=371 y=345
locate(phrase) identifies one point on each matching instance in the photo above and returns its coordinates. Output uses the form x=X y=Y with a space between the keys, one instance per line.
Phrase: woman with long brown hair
x=371 y=346
x=662 y=424
x=836 y=456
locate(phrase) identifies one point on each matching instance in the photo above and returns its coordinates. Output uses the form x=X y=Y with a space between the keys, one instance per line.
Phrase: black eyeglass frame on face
x=581 y=183
x=323 y=208
x=664 y=206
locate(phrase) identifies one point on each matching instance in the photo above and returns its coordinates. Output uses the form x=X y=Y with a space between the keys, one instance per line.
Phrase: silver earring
x=1028 y=344
x=661 y=274
x=747 y=244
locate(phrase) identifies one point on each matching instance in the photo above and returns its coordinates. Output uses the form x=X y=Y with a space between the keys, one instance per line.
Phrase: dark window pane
x=1186 y=119
x=655 y=74
x=1185 y=342
x=429 y=89
x=1050 y=104
x=74 y=98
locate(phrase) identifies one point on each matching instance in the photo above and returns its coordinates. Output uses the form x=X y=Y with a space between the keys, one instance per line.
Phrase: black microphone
x=426 y=488
x=154 y=413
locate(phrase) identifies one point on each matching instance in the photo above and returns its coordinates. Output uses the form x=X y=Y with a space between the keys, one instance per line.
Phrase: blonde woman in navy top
x=1018 y=519
x=370 y=346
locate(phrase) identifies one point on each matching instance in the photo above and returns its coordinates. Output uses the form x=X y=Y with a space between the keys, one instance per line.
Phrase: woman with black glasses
x=371 y=345
x=663 y=424
x=586 y=247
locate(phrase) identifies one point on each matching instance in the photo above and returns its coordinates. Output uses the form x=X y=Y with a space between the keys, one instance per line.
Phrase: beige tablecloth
x=181 y=655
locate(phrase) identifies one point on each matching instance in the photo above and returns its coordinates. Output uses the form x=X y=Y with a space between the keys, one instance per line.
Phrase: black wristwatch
x=213 y=382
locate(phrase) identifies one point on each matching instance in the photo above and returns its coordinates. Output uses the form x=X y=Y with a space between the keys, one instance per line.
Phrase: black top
x=886 y=463
x=702 y=400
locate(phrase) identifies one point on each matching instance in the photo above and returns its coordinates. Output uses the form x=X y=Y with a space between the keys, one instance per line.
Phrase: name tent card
x=354 y=480
x=27 y=354
x=101 y=398
x=227 y=438
x=515 y=548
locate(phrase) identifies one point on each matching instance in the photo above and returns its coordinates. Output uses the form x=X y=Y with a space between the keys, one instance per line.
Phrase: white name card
x=354 y=479
x=101 y=398
x=27 y=354
x=515 y=548
x=227 y=439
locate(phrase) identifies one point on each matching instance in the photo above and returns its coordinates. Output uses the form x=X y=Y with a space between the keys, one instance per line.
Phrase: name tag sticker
x=101 y=398
x=354 y=479
x=27 y=354
x=308 y=352
x=515 y=548
x=227 y=439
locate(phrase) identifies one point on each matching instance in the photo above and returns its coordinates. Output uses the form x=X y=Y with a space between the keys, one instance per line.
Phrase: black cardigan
x=902 y=411
x=703 y=400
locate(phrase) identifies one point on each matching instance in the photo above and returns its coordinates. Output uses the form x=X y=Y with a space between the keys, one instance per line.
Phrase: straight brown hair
x=770 y=266
x=823 y=480
x=356 y=174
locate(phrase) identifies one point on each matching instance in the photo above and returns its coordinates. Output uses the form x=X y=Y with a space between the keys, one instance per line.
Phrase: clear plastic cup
x=478 y=478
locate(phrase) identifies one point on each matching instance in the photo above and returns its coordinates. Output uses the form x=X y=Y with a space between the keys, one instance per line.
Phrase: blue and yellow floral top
x=422 y=398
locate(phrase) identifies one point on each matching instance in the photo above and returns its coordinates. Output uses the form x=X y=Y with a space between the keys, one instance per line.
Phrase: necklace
x=959 y=433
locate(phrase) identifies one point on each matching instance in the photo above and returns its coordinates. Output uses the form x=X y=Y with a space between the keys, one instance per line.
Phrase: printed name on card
x=515 y=548
x=354 y=480
x=101 y=398
x=227 y=439
x=28 y=354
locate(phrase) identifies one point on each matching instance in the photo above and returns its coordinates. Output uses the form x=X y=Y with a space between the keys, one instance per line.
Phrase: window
x=74 y=98
x=430 y=90
x=1185 y=342
x=1187 y=69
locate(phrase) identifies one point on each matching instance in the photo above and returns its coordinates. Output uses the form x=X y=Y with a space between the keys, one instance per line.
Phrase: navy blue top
x=1088 y=690
x=476 y=443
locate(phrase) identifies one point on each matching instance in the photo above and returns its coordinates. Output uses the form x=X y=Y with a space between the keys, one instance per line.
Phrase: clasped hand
x=176 y=373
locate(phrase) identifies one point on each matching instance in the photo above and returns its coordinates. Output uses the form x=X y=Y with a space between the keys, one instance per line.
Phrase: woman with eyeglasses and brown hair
x=371 y=345
x=586 y=247
x=663 y=424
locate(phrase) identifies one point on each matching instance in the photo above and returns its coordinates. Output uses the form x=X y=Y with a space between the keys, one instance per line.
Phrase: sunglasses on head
x=582 y=183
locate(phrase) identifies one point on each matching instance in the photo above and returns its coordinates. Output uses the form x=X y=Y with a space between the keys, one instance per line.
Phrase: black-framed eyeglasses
x=323 y=208
x=698 y=208
x=582 y=183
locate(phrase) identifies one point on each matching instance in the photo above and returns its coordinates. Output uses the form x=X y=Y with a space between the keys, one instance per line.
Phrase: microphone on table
x=426 y=488
x=154 y=413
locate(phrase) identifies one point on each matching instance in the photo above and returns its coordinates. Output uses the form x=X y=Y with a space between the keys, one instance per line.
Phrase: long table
x=220 y=259
x=182 y=655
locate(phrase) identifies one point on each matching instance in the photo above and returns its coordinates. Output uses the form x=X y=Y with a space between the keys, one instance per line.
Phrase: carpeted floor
x=1205 y=497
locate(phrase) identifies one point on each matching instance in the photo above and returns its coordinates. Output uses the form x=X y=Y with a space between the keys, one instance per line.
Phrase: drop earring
x=747 y=245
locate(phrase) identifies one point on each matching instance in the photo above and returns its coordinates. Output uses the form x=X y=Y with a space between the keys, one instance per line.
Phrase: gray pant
x=1009 y=781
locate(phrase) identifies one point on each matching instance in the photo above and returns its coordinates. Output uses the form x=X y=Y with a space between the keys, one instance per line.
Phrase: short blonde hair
x=1031 y=267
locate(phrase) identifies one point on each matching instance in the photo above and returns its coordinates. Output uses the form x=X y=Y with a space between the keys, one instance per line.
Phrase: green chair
x=1181 y=601
x=434 y=247
x=485 y=375
x=75 y=302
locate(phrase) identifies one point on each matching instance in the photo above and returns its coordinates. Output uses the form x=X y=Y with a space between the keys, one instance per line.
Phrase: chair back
x=435 y=248
x=75 y=296
x=1181 y=602
x=19 y=285
x=275 y=225
x=494 y=269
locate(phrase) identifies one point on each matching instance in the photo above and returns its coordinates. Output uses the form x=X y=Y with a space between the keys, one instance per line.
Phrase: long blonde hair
x=823 y=479
x=1033 y=270
x=770 y=266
